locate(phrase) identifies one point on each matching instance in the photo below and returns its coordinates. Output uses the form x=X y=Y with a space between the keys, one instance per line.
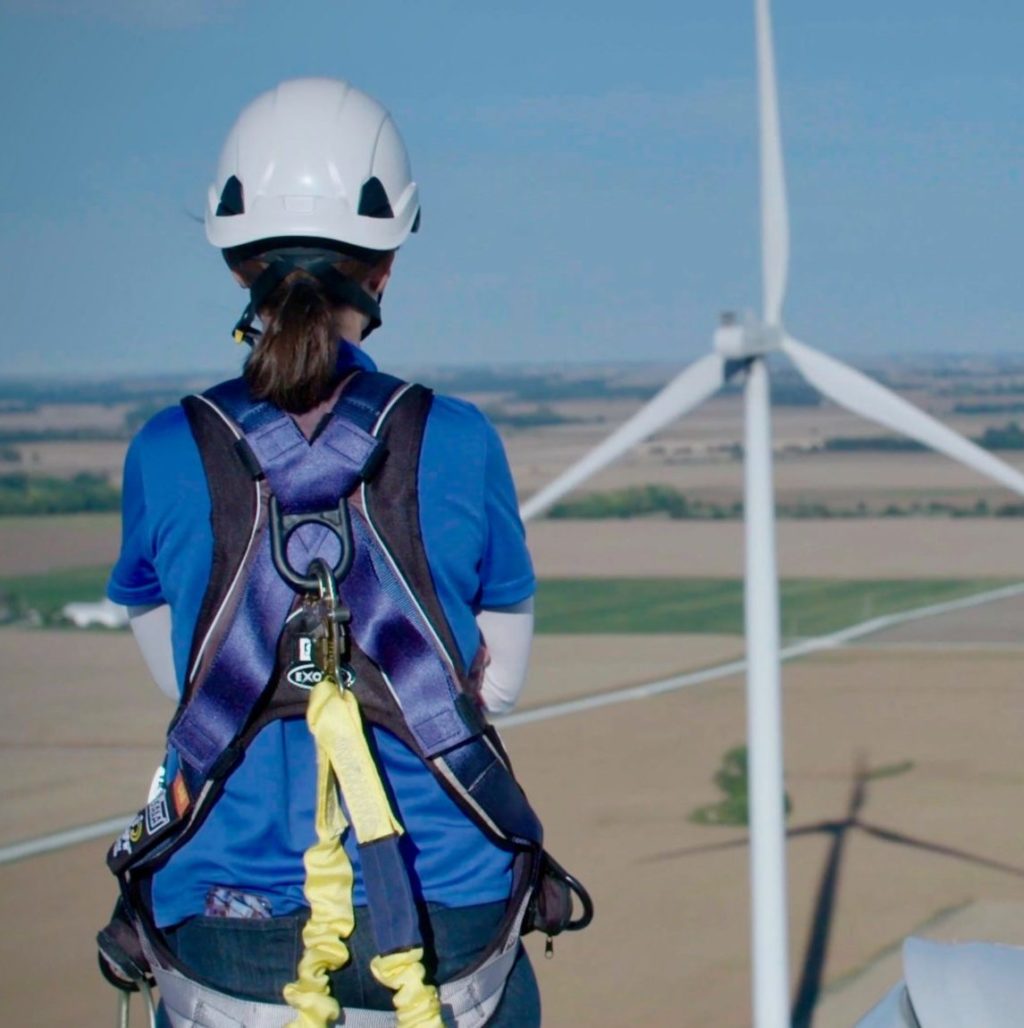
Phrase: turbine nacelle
x=738 y=339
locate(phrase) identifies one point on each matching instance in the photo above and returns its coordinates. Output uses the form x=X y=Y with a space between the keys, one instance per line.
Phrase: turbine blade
x=860 y=394
x=688 y=389
x=774 y=213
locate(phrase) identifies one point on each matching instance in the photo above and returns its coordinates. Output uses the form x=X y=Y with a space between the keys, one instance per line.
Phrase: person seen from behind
x=388 y=863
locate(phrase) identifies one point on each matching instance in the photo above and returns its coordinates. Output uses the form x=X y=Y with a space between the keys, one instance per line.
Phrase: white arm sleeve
x=151 y=627
x=507 y=633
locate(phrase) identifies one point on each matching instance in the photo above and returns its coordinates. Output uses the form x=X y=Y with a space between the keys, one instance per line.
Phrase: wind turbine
x=741 y=347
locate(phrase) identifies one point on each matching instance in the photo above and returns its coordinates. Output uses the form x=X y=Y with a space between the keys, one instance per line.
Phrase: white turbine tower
x=743 y=346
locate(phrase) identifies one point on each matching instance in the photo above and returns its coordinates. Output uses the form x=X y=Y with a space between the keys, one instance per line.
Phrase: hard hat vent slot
x=373 y=200
x=231 y=200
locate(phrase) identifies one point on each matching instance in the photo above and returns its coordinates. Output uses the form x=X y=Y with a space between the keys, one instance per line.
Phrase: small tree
x=733 y=779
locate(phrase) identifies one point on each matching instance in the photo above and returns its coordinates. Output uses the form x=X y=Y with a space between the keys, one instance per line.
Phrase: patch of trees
x=667 y=502
x=872 y=443
x=973 y=389
x=37 y=494
x=539 y=387
x=59 y=435
x=540 y=417
x=989 y=408
x=1009 y=437
x=644 y=501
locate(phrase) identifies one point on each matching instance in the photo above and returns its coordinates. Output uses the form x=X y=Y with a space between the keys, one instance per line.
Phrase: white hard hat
x=313 y=158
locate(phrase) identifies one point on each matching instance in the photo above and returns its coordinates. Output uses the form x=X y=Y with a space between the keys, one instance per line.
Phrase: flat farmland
x=64 y=459
x=81 y=726
x=693 y=454
x=829 y=548
x=808 y=548
x=840 y=479
x=940 y=702
x=54 y=416
x=32 y=545
x=615 y=787
x=670 y=945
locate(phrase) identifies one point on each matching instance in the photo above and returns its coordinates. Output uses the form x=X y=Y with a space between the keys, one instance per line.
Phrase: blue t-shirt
x=254 y=838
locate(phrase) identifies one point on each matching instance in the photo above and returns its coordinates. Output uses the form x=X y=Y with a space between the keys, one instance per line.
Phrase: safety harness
x=354 y=632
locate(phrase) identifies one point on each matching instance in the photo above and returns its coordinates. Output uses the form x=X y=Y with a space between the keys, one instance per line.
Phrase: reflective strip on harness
x=486 y=781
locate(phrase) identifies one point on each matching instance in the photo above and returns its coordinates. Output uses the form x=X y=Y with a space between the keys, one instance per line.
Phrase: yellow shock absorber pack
x=344 y=760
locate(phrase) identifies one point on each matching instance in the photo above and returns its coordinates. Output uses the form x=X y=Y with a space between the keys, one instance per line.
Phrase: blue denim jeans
x=255 y=959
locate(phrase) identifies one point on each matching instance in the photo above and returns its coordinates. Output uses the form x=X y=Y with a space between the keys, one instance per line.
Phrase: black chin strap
x=342 y=290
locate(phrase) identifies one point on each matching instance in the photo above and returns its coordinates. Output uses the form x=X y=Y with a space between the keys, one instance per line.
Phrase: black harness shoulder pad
x=393 y=507
x=232 y=507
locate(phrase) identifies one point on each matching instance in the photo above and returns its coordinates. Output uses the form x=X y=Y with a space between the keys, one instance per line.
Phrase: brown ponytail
x=293 y=363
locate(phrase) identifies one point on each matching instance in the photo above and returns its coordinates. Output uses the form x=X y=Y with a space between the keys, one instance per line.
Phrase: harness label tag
x=157 y=814
x=303 y=672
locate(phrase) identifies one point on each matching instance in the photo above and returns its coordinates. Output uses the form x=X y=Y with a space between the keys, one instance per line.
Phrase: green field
x=620 y=605
x=715 y=605
x=48 y=593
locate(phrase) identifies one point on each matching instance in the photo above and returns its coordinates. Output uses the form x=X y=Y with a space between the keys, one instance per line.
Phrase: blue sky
x=587 y=169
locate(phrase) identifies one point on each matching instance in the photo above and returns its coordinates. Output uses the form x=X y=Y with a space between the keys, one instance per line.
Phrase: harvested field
x=81 y=728
x=670 y=945
x=31 y=546
x=564 y=667
x=615 y=787
x=49 y=417
x=995 y=624
x=841 y=481
x=692 y=456
x=868 y=548
x=65 y=459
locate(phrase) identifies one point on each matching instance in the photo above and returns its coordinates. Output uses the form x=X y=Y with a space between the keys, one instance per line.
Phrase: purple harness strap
x=393 y=633
x=327 y=469
x=387 y=623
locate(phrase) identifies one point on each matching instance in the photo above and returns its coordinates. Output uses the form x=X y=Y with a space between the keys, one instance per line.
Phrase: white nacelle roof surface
x=954 y=985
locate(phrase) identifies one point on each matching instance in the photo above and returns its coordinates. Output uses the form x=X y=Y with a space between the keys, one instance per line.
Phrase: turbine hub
x=738 y=338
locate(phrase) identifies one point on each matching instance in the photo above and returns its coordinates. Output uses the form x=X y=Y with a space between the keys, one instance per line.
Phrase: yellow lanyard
x=344 y=759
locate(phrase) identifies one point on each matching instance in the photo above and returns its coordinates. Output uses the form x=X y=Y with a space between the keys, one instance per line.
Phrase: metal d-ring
x=282 y=526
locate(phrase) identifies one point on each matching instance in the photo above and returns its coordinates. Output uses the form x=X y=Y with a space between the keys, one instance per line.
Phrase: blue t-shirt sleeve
x=133 y=581
x=506 y=571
